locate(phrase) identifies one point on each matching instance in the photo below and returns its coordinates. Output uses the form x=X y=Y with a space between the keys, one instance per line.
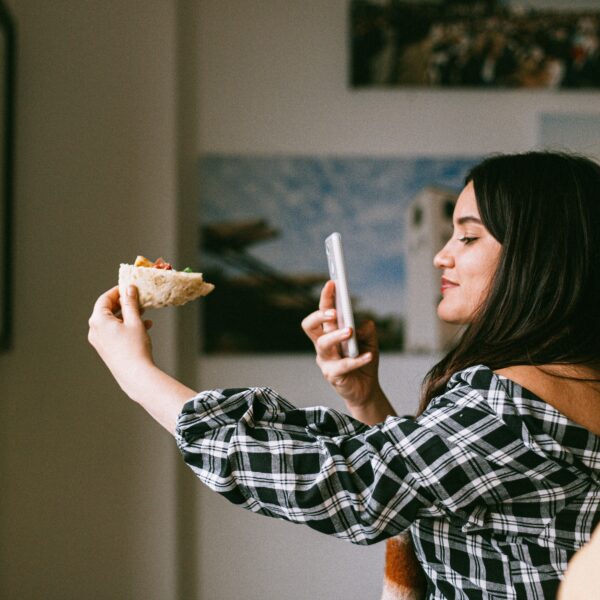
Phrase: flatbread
x=162 y=287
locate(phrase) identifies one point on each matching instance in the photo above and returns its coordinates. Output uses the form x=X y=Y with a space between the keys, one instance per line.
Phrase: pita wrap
x=161 y=287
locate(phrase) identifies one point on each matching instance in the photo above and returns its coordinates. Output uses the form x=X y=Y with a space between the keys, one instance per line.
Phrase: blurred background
x=117 y=101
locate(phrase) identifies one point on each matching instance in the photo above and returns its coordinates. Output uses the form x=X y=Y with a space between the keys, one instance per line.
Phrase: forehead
x=466 y=205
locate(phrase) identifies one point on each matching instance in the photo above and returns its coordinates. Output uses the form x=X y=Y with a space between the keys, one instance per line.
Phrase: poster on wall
x=544 y=44
x=571 y=132
x=263 y=223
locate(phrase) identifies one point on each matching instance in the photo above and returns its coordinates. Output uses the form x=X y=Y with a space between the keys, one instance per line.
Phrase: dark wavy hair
x=543 y=305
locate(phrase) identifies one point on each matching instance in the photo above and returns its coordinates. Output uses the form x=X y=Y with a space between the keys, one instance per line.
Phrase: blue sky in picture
x=307 y=197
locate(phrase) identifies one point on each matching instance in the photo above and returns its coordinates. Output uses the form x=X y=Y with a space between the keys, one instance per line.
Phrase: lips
x=448 y=284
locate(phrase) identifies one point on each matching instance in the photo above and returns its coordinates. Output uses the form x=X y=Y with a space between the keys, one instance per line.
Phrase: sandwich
x=160 y=285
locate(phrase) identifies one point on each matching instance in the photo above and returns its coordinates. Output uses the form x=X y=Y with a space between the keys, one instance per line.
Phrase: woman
x=497 y=479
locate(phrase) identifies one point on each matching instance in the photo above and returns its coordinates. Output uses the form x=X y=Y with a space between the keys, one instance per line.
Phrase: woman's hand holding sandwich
x=119 y=335
x=355 y=380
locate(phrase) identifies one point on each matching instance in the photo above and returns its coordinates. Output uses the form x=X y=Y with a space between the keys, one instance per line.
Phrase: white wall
x=87 y=507
x=272 y=80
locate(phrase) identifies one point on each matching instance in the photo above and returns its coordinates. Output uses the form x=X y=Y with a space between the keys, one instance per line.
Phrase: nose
x=443 y=259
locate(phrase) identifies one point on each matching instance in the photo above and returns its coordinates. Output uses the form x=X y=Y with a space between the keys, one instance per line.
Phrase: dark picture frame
x=7 y=107
x=475 y=44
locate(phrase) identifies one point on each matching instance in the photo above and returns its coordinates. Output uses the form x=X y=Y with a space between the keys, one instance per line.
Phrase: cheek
x=478 y=271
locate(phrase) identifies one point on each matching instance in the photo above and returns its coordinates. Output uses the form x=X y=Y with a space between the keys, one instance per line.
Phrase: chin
x=448 y=315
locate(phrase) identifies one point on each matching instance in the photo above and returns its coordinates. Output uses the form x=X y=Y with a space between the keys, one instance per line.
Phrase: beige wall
x=87 y=507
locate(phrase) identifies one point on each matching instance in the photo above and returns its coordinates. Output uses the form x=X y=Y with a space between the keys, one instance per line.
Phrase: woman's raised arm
x=120 y=337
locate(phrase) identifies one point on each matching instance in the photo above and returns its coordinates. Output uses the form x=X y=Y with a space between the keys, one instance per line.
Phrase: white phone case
x=343 y=305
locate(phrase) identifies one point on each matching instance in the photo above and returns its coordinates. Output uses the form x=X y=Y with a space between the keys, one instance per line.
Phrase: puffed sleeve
x=319 y=467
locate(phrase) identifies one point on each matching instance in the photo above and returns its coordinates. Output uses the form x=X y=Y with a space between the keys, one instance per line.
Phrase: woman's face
x=468 y=262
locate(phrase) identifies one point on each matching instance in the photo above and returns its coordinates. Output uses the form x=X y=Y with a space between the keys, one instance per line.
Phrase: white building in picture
x=429 y=226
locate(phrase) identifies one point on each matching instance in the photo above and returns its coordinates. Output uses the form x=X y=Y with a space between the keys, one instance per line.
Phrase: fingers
x=112 y=305
x=333 y=370
x=314 y=324
x=327 y=345
x=324 y=319
x=327 y=302
x=103 y=313
x=327 y=299
x=109 y=300
x=129 y=305
x=107 y=305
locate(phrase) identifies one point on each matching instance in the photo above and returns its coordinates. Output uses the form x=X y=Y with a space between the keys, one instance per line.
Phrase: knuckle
x=332 y=373
x=310 y=320
x=327 y=372
x=322 y=345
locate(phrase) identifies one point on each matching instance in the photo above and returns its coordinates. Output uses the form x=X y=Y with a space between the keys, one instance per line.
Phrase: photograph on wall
x=263 y=223
x=571 y=132
x=504 y=44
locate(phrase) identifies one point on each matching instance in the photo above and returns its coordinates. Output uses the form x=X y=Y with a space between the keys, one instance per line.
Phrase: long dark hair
x=543 y=305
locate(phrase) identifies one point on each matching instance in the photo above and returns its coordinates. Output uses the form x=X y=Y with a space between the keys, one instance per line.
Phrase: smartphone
x=343 y=305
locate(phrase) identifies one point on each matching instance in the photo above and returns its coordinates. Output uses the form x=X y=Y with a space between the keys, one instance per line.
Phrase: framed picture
x=7 y=95
x=264 y=220
x=475 y=43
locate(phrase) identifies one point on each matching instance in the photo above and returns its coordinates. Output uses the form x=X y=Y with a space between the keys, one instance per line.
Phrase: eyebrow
x=468 y=219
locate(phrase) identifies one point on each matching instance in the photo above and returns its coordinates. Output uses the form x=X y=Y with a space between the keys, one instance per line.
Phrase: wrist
x=364 y=399
x=375 y=408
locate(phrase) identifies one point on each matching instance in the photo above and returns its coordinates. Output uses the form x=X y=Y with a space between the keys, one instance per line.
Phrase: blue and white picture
x=264 y=220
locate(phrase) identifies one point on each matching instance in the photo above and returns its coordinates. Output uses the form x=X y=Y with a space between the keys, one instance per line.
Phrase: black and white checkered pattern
x=499 y=488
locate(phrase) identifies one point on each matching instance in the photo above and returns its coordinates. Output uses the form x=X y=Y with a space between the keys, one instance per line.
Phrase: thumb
x=130 y=308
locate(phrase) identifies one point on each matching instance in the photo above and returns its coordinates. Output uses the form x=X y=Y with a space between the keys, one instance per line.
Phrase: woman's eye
x=467 y=240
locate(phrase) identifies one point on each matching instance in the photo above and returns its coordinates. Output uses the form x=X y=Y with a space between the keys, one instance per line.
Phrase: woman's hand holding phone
x=354 y=379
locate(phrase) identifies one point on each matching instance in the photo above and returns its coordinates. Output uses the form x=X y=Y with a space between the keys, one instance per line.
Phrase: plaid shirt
x=498 y=488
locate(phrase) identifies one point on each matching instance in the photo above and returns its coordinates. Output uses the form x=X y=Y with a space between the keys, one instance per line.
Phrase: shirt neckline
x=523 y=392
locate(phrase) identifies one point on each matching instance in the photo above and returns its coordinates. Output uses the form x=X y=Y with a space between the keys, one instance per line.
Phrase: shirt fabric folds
x=497 y=488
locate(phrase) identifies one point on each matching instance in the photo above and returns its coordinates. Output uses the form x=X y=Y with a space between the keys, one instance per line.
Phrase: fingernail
x=131 y=291
x=330 y=313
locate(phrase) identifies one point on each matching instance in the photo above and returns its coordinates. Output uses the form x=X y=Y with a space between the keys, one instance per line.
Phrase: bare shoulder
x=567 y=389
x=582 y=578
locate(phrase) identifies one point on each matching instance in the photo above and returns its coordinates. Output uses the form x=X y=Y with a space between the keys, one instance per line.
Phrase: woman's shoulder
x=493 y=397
x=480 y=389
x=476 y=377
x=500 y=392
x=477 y=385
x=474 y=391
